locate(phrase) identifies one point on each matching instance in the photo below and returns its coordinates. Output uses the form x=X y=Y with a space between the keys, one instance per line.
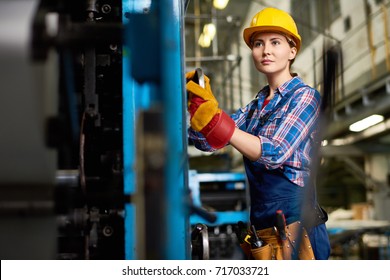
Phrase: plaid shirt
x=287 y=137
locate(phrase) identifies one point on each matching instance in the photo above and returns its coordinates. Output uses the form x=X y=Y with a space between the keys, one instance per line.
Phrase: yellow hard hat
x=272 y=20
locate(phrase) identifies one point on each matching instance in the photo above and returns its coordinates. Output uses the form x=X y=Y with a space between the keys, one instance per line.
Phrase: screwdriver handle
x=281 y=224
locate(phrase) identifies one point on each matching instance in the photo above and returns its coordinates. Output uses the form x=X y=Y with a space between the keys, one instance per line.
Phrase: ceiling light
x=204 y=40
x=210 y=30
x=366 y=123
x=339 y=142
x=220 y=4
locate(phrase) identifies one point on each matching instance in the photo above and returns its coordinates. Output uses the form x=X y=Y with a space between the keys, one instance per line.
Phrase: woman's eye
x=257 y=44
x=275 y=43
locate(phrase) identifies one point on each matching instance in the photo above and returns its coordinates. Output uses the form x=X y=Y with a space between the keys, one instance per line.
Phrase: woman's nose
x=266 y=50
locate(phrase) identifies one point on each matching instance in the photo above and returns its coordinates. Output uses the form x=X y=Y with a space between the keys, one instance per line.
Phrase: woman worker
x=276 y=134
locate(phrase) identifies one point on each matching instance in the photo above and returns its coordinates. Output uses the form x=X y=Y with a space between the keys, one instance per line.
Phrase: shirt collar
x=289 y=85
x=282 y=89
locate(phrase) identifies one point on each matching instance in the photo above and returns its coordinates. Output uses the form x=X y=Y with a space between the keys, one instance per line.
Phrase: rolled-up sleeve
x=199 y=141
x=280 y=141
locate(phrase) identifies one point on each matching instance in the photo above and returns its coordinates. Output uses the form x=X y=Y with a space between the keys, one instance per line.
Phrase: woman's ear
x=293 y=53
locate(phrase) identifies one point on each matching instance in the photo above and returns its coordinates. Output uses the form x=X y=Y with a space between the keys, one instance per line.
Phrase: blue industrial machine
x=224 y=197
x=120 y=182
x=118 y=129
x=223 y=192
x=153 y=79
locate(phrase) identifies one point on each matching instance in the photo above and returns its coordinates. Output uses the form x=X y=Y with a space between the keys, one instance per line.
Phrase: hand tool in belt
x=241 y=231
x=280 y=226
x=256 y=242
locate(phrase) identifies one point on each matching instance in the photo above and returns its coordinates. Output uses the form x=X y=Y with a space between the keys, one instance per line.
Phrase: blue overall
x=271 y=190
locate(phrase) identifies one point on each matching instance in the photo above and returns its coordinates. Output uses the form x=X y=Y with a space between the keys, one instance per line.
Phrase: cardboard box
x=361 y=211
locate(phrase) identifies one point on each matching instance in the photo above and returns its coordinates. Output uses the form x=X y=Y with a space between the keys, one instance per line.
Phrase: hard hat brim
x=248 y=32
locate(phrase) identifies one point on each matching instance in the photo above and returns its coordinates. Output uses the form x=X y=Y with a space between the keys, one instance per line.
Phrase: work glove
x=206 y=116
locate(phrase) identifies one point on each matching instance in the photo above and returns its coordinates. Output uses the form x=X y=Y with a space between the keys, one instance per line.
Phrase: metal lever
x=199 y=77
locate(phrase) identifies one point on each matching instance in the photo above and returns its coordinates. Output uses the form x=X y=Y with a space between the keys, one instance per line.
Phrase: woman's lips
x=266 y=61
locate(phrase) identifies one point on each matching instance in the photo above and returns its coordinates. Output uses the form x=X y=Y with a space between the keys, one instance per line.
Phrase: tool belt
x=296 y=246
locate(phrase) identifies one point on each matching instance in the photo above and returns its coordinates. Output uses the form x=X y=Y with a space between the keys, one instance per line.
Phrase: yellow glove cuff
x=204 y=115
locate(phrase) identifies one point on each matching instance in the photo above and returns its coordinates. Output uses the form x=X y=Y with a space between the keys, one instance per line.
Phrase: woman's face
x=272 y=53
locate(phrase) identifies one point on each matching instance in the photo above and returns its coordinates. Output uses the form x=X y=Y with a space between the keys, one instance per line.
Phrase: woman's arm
x=284 y=139
x=247 y=144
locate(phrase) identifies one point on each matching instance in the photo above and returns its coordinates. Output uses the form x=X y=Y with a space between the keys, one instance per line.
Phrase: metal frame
x=162 y=88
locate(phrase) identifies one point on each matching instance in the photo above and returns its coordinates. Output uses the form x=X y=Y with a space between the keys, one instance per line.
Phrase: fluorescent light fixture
x=366 y=123
x=220 y=4
x=339 y=142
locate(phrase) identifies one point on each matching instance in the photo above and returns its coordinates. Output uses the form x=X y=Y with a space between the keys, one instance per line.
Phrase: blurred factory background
x=94 y=157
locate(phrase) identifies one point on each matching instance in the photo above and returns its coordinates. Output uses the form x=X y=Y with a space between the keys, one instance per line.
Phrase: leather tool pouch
x=263 y=253
x=297 y=245
x=271 y=250
x=246 y=248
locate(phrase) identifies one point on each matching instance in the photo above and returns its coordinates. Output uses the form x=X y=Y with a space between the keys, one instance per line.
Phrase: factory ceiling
x=374 y=98
x=228 y=23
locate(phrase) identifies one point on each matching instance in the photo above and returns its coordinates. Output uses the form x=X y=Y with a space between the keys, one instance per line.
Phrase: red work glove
x=206 y=116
